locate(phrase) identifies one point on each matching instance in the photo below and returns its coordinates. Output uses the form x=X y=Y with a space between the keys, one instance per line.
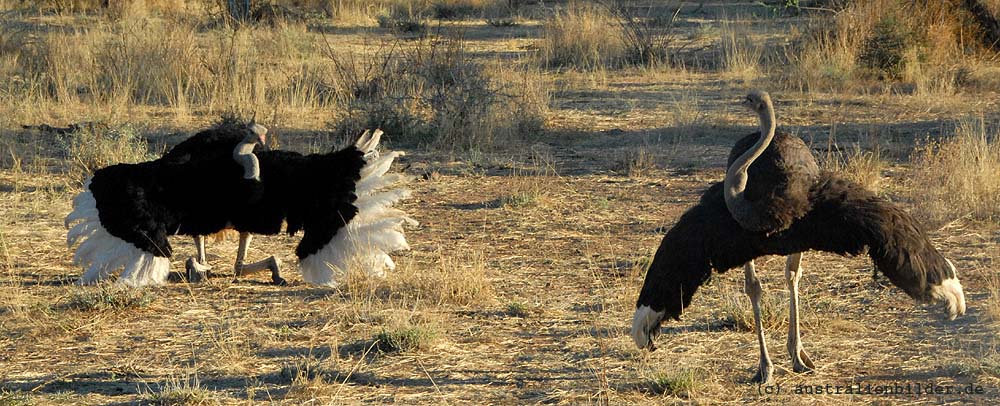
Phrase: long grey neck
x=243 y=154
x=736 y=175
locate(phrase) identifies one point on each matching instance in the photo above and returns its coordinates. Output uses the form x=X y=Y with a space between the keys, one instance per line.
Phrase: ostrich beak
x=261 y=132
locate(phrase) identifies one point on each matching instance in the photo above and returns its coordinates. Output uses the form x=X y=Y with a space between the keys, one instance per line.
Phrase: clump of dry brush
x=928 y=46
x=956 y=176
x=436 y=94
x=609 y=34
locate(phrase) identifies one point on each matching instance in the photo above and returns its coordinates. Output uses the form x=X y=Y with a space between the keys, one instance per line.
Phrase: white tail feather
x=375 y=232
x=379 y=166
x=366 y=186
x=368 y=141
x=102 y=254
x=381 y=200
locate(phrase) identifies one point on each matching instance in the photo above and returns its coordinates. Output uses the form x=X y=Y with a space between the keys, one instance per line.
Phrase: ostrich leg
x=793 y=272
x=197 y=268
x=272 y=263
x=755 y=291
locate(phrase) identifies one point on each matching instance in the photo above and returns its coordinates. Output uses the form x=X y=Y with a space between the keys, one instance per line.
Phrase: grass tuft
x=405 y=339
x=186 y=392
x=457 y=278
x=14 y=398
x=741 y=53
x=639 y=162
x=737 y=310
x=856 y=164
x=107 y=296
x=956 y=176
x=582 y=36
x=683 y=383
x=96 y=146
x=517 y=309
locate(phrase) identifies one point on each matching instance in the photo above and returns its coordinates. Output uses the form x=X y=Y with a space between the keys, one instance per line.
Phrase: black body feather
x=779 y=180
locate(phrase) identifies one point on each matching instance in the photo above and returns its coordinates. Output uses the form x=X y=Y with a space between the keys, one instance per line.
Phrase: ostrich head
x=243 y=153
x=256 y=133
x=757 y=101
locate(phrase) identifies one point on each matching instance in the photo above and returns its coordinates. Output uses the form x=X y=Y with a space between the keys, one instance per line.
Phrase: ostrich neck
x=243 y=154
x=736 y=175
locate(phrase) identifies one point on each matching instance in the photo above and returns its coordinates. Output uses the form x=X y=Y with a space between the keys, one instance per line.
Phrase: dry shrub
x=96 y=146
x=957 y=176
x=916 y=43
x=436 y=94
x=856 y=164
x=459 y=9
x=149 y=64
x=582 y=36
x=591 y=36
x=737 y=310
x=164 y=62
x=647 y=29
x=992 y=304
x=741 y=53
x=454 y=279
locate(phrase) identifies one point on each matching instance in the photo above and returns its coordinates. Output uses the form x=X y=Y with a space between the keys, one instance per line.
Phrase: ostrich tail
x=846 y=219
x=368 y=141
x=102 y=254
x=368 y=239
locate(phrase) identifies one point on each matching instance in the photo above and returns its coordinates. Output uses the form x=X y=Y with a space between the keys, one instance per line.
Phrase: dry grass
x=436 y=94
x=181 y=392
x=684 y=383
x=956 y=176
x=918 y=46
x=855 y=163
x=457 y=279
x=737 y=311
x=741 y=52
x=992 y=304
x=107 y=297
x=96 y=146
x=582 y=36
x=522 y=278
x=639 y=162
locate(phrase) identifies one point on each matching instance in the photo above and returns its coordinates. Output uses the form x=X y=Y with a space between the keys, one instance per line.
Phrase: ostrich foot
x=196 y=272
x=802 y=363
x=764 y=374
x=275 y=267
x=272 y=264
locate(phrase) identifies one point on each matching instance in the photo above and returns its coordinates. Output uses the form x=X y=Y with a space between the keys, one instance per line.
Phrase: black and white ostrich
x=775 y=201
x=342 y=200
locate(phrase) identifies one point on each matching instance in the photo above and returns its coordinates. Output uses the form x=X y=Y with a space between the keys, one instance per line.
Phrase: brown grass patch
x=855 y=163
x=917 y=45
x=956 y=176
